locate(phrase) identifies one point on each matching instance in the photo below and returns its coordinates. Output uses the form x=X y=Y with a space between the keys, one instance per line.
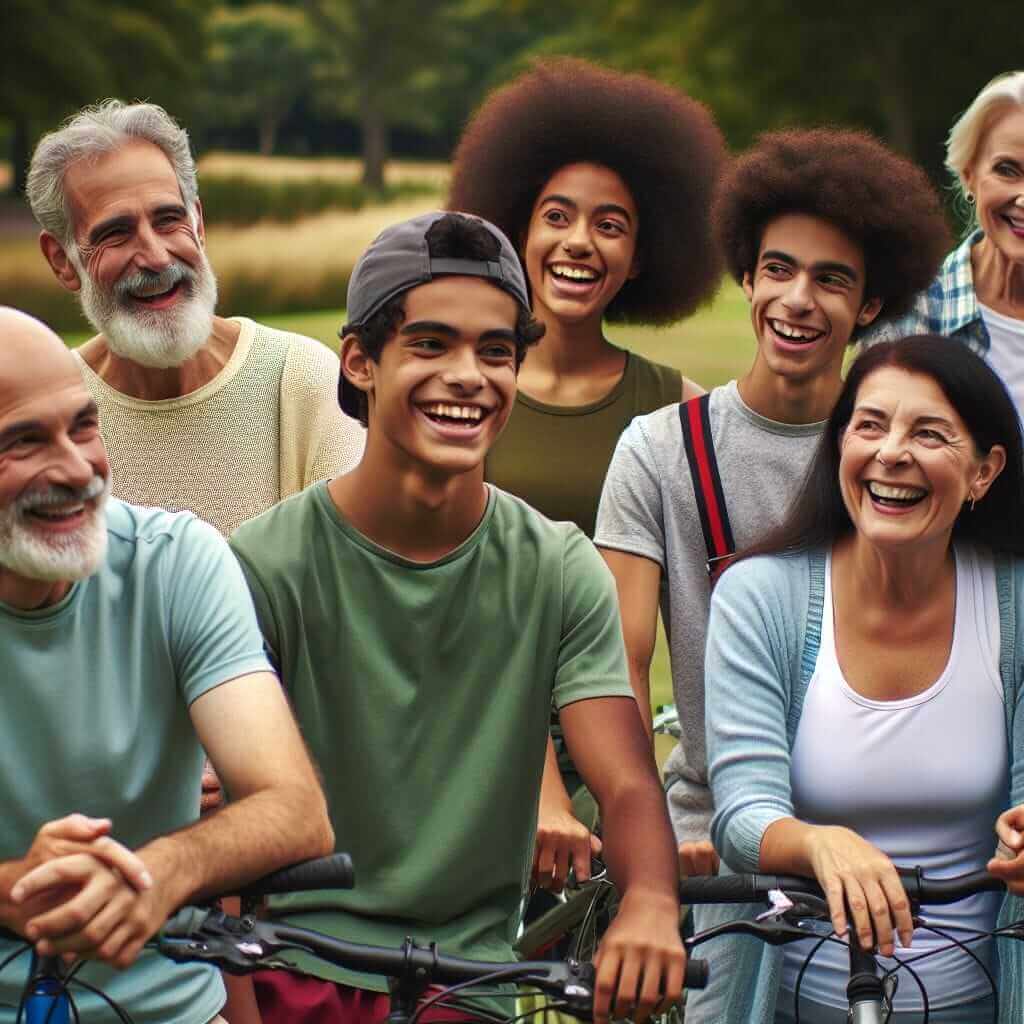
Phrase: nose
x=892 y=450
x=577 y=239
x=151 y=251
x=462 y=371
x=798 y=297
x=71 y=465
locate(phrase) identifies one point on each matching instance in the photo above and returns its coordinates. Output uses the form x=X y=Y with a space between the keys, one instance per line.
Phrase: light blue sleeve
x=629 y=516
x=748 y=681
x=214 y=634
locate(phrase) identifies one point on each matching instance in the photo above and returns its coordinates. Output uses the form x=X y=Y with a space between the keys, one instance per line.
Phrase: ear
x=200 y=226
x=747 y=284
x=989 y=468
x=60 y=263
x=357 y=366
x=868 y=312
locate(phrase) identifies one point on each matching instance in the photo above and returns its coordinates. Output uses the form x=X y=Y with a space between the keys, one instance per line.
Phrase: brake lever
x=238 y=945
x=775 y=932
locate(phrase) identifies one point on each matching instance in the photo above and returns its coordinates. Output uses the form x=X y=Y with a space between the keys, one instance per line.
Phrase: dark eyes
x=1007 y=169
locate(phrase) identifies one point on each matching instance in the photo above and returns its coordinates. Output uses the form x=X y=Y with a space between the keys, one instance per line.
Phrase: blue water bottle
x=46 y=1002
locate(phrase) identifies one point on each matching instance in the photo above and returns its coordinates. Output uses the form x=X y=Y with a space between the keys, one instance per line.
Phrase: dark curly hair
x=664 y=145
x=882 y=201
x=451 y=236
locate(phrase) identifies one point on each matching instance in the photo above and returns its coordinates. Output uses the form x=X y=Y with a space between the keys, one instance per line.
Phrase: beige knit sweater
x=266 y=426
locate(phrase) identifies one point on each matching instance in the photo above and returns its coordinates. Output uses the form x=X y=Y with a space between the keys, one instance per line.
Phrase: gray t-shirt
x=648 y=508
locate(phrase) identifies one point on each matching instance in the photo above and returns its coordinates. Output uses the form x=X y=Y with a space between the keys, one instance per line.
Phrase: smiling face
x=54 y=473
x=996 y=177
x=580 y=246
x=138 y=257
x=444 y=384
x=806 y=297
x=908 y=463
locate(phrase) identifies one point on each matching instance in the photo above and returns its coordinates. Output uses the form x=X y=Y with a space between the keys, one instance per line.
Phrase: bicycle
x=244 y=944
x=795 y=903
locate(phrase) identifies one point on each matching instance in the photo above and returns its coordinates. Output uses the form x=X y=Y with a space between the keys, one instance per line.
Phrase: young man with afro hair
x=603 y=181
x=825 y=231
x=423 y=622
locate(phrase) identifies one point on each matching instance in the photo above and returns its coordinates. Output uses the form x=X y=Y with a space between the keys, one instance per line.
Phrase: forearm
x=640 y=680
x=245 y=840
x=785 y=847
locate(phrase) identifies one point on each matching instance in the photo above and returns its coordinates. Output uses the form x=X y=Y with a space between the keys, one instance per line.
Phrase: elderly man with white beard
x=223 y=417
x=129 y=643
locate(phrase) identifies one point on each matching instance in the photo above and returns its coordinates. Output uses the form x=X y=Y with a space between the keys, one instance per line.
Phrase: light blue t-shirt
x=96 y=720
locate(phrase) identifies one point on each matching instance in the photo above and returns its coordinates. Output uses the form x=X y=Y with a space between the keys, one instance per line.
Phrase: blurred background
x=318 y=122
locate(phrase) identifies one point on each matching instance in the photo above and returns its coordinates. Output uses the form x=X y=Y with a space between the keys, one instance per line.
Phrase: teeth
x=898 y=493
x=57 y=512
x=796 y=333
x=454 y=412
x=149 y=293
x=574 y=273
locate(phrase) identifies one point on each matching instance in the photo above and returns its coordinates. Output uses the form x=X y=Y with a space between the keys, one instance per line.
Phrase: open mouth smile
x=57 y=517
x=450 y=415
x=1016 y=223
x=156 y=296
x=573 y=278
x=893 y=496
x=790 y=334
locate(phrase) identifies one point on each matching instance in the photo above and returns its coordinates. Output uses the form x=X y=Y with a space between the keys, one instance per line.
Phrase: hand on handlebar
x=1008 y=863
x=562 y=842
x=697 y=858
x=853 y=873
x=640 y=963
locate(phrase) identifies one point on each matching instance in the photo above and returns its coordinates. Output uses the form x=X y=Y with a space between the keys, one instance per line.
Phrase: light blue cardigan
x=763 y=640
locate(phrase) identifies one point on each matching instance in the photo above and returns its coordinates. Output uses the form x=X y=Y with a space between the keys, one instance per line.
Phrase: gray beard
x=158 y=338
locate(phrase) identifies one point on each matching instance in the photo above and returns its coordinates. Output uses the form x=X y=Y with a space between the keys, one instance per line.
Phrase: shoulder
x=652 y=432
x=259 y=540
x=777 y=585
x=656 y=383
x=137 y=525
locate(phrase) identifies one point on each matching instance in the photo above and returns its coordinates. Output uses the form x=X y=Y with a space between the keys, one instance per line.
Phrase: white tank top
x=923 y=779
x=1006 y=351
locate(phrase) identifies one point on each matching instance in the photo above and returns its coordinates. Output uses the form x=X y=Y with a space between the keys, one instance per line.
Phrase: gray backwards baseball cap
x=399 y=259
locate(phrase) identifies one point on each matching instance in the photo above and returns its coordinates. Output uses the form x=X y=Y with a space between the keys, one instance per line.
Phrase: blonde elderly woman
x=978 y=296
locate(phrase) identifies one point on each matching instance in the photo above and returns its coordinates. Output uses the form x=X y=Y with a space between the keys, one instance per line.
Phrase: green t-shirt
x=423 y=691
x=96 y=720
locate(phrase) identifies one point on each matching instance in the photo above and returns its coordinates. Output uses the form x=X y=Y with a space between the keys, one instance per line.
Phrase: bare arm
x=278 y=815
x=642 y=949
x=637 y=581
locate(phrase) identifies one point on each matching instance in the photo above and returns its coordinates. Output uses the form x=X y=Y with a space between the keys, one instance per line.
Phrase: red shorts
x=288 y=998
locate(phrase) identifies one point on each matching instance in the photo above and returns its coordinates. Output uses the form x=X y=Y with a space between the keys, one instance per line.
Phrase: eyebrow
x=436 y=327
x=124 y=220
x=823 y=265
x=919 y=421
x=28 y=426
x=603 y=208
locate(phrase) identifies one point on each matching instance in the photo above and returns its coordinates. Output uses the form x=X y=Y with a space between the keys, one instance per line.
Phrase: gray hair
x=1005 y=90
x=89 y=134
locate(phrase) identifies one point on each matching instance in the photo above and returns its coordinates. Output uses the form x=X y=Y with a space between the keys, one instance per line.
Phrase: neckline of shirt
x=590 y=407
x=237 y=360
x=732 y=393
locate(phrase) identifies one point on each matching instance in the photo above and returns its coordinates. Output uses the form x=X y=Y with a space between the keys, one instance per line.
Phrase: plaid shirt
x=948 y=306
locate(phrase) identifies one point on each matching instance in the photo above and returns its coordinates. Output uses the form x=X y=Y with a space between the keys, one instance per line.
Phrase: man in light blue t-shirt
x=129 y=644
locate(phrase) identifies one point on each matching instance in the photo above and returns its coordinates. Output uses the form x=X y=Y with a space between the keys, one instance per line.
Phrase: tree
x=260 y=63
x=62 y=54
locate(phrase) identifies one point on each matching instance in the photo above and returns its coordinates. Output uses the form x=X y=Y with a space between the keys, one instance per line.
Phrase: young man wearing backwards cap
x=421 y=621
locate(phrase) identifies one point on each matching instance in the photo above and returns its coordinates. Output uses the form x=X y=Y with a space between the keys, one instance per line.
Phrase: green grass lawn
x=710 y=347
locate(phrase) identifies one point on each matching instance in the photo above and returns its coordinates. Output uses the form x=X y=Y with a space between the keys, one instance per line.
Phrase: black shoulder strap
x=707 y=484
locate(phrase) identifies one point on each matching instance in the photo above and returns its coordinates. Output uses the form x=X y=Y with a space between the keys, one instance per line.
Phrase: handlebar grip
x=718 y=889
x=696 y=974
x=333 y=872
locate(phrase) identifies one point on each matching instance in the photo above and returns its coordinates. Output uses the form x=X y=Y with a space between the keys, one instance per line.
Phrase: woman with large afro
x=603 y=181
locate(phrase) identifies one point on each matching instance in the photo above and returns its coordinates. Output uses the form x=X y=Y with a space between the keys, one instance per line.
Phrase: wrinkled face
x=908 y=463
x=145 y=280
x=444 y=386
x=580 y=246
x=54 y=477
x=806 y=296
x=996 y=177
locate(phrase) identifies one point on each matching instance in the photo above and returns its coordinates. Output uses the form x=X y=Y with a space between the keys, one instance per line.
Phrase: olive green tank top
x=555 y=457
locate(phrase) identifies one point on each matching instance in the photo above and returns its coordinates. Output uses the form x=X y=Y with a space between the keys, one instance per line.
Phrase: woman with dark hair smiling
x=603 y=181
x=863 y=678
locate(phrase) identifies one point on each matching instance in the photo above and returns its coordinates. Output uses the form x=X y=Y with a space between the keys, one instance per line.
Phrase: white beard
x=158 y=338
x=65 y=558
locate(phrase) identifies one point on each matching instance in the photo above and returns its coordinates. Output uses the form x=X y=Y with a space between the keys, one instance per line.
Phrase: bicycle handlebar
x=333 y=872
x=755 y=888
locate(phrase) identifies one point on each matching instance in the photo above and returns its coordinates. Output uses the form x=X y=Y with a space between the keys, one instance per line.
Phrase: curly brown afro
x=882 y=201
x=664 y=145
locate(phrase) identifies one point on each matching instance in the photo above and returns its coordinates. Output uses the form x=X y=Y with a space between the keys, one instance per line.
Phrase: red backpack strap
x=707 y=484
